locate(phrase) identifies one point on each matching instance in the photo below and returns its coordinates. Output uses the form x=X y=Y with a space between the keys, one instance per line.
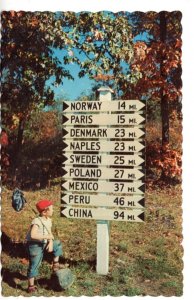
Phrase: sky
x=72 y=89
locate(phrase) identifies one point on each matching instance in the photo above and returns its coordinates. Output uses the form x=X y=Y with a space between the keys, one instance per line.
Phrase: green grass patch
x=173 y=287
x=145 y=258
x=156 y=268
x=123 y=246
x=111 y=290
x=15 y=266
x=132 y=291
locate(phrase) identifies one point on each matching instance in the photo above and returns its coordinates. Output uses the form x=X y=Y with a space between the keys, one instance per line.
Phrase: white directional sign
x=103 y=106
x=134 y=201
x=102 y=186
x=103 y=173
x=131 y=160
x=103 y=133
x=103 y=119
x=104 y=146
x=104 y=164
x=103 y=214
x=104 y=159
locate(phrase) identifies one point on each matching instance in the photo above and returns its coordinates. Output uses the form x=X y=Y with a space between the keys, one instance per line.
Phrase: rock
x=62 y=279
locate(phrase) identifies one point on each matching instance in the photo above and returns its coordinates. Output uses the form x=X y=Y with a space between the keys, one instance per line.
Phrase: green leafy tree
x=104 y=42
x=106 y=47
x=28 y=62
x=142 y=53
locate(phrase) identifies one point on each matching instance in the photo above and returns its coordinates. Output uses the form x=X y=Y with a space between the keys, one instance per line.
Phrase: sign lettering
x=102 y=186
x=103 y=119
x=103 y=173
x=104 y=160
x=103 y=133
x=98 y=106
x=130 y=201
x=104 y=146
x=127 y=161
x=101 y=213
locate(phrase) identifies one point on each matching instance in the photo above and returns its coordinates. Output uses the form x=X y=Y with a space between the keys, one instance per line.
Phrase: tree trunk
x=164 y=98
x=20 y=134
x=16 y=160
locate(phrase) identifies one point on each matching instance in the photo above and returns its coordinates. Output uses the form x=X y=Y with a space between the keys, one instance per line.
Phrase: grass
x=174 y=286
x=145 y=258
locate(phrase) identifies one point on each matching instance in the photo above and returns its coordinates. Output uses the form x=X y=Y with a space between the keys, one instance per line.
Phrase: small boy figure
x=40 y=239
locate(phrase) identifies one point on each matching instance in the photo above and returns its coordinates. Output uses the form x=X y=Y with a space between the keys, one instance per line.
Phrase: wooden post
x=102 y=247
x=105 y=93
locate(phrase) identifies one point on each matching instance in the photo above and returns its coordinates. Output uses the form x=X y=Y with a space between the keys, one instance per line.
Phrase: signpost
x=104 y=146
x=104 y=106
x=103 y=213
x=103 y=173
x=110 y=160
x=71 y=132
x=130 y=201
x=132 y=119
x=104 y=164
x=102 y=186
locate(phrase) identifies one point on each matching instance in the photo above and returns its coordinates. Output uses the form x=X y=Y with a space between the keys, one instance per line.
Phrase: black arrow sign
x=142 y=202
x=65 y=119
x=62 y=187
x=64 y=172
x=142 y=216
x=65 y=158
x=142 y=188
x=65 y=145
x=62 y=209
x=65 y=132
x=63 y=201
x=65 y=106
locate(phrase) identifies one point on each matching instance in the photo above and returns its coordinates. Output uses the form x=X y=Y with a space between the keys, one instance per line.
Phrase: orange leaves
x=43 y=126
x=136 y=67
x=140 y=45
x=14 y=13
x=89 y=39
x=4 y=139
x=158 y=63
x=24 y=261
x=34 y=21
x=171 y=161
x=164 y=159
x=140 y=50
x=178 y=43
x=103 y=77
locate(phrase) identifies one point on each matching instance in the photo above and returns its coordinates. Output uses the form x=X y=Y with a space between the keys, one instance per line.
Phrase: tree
x=103 y=45
x=151 y=71
x=140 y=51
x=158 y=58
x=28 y=61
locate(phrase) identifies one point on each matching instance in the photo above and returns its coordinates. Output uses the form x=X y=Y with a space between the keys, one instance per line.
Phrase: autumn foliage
x=139 y=54
x=165 y=162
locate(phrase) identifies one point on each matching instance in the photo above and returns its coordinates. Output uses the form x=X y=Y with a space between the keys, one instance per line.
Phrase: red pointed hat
x=43 y=204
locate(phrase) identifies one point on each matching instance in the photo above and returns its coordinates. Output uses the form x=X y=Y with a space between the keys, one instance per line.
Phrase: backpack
x=18 y=200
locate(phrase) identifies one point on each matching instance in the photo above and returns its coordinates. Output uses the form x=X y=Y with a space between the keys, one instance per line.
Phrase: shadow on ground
x=15 y=278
